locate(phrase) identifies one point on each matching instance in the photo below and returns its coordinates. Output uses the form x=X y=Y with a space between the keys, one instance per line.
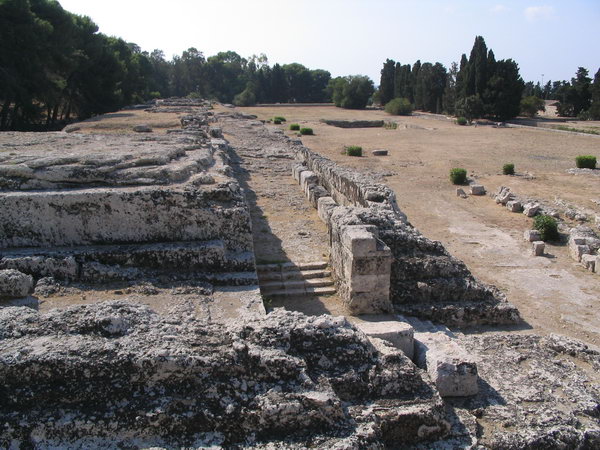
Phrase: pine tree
x=386 y=84
x=595 y=89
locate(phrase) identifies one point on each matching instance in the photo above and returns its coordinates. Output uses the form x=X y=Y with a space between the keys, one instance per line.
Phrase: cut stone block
x=589 y=262
x=399 y=334
x=477 y=189
x=578 y=250
x=358 y=240
x=504 y=196
x=379 y=152
x=297 y=170
x=142 y=129
x=315 y=192
x=325 y=206
x=306 y=179
x=461 y=193
x=15 y=284
x=531 y=209
x=514 y=206
x=538 y=248
x=532 y=235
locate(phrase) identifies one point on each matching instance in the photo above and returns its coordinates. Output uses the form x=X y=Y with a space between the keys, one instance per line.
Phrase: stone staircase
x=289 y=279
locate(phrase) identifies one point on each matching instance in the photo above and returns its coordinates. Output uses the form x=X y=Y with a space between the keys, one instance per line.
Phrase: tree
x=595 y=90
x=449 y=97
x=531 y=105
x=351 y=92
x=386 y=84
x=470 y=107
x=575 y=97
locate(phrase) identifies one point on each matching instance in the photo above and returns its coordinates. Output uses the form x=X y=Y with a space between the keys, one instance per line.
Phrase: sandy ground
x=553 y=293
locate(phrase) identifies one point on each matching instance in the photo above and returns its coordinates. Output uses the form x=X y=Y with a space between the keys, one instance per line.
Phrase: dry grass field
x=553 y=293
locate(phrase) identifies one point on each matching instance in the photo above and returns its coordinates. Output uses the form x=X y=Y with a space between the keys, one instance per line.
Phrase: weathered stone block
x=399 y=334
x=532 y=235
x=14 y=284
x=307 y=178
x=589 y=262
x=142 y=129
x=325 y=206
x=577 y=250
x=597 y=264
x=315 y=193
x=461 y=193
x=453 y=376
x=477 y=189
x=358 y=240
x=379 y=152
x=538 y=248
x=531 y=209
x=504 y=196
x=514 y=206
x=297 y=169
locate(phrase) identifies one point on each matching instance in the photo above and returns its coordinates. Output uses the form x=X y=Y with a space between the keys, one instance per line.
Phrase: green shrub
x=531 y=105
x=306 y=131
x=547 y=227
x=586 y=162
x=458 y=176
x=277 y=121
x=294 y=127
x=399 y=107
x=245 y=98
x=508 y=169
x=390 y=125
x=461 y=120
x=353 y=150
x=280 y=118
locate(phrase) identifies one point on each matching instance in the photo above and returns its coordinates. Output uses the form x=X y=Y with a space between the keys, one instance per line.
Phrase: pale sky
x=348 y=37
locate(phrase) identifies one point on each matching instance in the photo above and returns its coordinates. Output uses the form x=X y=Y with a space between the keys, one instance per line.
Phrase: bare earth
x=553 y=293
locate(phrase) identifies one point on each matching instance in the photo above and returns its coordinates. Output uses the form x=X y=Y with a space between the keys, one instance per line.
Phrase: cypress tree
x=387 y=82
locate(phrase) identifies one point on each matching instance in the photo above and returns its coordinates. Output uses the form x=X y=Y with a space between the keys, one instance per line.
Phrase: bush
x=399 y=107
x=508 y=169
x=531 y=105
x=353 y=150
x=294 y=127
x=458 y=176
x=547 y=227
x=277 y=121
x=245 y=98
x=281 y=119
x=306 y=131
x=461 y=121
x=390 y=125
x=586 y=162
x=351 y=92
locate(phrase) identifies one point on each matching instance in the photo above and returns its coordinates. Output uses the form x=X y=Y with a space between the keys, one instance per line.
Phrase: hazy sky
x=356 y=36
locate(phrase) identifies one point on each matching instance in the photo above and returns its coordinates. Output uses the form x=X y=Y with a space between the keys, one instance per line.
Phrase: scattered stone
x=398 y=333
x=503 y=196
x=142 y=129
x=379 y=152
x=538 y=248
x=15 y=284
x=477 y=189
x=531 y=209
x=514 y=206
x=71 y=128
x=532 y=235
x=461 y=193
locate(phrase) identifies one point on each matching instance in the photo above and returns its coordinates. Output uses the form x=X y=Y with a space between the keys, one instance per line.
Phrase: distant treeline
x=55 y=67
x=480 y=86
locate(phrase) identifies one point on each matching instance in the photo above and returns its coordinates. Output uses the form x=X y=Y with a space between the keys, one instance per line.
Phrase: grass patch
x=547 y=227
x=294 y=127
x=390 y=125
x=306 y=131
x=461 y=121
x=280 y=118
x=575 y=130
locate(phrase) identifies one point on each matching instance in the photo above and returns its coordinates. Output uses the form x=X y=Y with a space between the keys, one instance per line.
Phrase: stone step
x=295 y=284
x=293 y=275
x=326 y=290
x=290 y=266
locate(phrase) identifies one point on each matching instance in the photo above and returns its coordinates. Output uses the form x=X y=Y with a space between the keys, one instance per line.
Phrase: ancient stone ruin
x=173 y=346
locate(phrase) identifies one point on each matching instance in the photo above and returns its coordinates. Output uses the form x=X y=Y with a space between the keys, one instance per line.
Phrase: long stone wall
x=423 y=279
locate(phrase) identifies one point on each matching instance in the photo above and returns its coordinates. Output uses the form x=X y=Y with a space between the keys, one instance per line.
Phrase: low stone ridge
x=117 y=374
x=14 y=284
x=354 y=123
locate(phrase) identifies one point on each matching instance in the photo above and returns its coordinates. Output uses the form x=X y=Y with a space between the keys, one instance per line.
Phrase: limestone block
x=504 y=196
x=358 y=240
x=452 y=370
x=597 y=264
x=538 y=248
x=369 y=302
x=15 y=284
x=307 y=178
x=461 y=193
x=369 y=283
x=215 y=132
x=589 y=262
x=297 y=169
x=219 y=144
x=514 y=206
x=477 y=189
x=315 y=193
x=532 y=235
x=577 y=251
x=531 y=209
x=399 y=334
x=325 y=206
x=142 y=129
x=379 y=152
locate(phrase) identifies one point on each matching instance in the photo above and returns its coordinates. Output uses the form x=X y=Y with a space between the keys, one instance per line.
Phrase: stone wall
x=424 y=279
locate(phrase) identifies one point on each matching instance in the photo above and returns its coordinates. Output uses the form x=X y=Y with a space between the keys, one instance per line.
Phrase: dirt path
x=285 y=227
